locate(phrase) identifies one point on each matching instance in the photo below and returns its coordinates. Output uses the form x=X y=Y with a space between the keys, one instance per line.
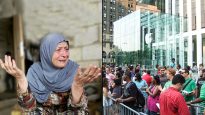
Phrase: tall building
x=159 y=3
x=112 y=11
x=194 y=32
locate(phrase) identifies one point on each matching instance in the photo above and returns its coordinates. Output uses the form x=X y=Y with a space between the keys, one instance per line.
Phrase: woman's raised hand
x=9 y=65
x=89 y=75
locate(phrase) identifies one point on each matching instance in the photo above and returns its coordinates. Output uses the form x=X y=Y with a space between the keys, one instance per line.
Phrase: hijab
x=43 y=77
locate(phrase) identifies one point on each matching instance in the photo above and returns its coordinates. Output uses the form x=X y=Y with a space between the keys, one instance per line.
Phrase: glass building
x=151 y=37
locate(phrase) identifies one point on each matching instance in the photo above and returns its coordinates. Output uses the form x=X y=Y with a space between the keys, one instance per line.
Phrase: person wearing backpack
x=130 y=92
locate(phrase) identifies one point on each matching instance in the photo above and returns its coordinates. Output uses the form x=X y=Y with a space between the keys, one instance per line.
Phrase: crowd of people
x=166 y=90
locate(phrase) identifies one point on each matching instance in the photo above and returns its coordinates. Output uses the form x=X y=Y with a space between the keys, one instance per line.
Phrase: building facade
x=189 y=45
x=112 y=11
x=194 y=31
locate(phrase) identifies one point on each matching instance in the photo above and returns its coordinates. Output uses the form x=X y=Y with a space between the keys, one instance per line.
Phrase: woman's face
x=153 y=81
x=61 y=55
x=113 y=85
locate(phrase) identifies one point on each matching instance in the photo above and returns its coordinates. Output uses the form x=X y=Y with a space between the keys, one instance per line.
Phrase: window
x=104 y=7
x=104 y=15
x=104 y=44
x=111 y=45
x=110 y=29
x=128 y=5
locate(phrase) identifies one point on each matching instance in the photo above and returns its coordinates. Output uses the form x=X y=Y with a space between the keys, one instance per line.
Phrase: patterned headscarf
x=43 y=77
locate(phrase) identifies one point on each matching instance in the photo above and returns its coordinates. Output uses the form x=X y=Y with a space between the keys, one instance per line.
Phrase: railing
x=196 y=109
x=121 y=109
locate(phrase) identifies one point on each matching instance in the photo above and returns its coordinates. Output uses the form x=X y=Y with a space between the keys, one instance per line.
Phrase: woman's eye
x=58 y=50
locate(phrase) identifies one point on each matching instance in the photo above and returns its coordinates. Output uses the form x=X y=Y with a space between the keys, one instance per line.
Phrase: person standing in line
x=141 y=84
x=200 y=82
x=132 y=71
x=189 y=88
x=117 y=90
x=170 y=74
x=171 y=100
x=153 y=98
x=163 y=76
x=130 y=92
x=190 y=72
x=178 y=70
x=201 y=67
x=107 y=101
x=55 y=84
x=200 y=99
x=110 y=77
x=147 y=77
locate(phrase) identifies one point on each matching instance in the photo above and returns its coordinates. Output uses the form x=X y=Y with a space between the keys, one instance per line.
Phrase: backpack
x=140 y=100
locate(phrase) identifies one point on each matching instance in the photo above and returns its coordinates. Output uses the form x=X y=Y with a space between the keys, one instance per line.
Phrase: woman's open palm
x=89 y=75
x=9 y=65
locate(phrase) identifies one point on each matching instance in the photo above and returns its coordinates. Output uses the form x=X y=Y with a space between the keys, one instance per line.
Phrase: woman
x=141 y=84
x=170 y=75
x=153 y=98
x=55 y=84
x=107 y=102
x=117 y=90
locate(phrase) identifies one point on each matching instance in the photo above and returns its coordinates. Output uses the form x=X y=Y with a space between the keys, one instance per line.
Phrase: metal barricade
x=121 y=109
x=196 y=109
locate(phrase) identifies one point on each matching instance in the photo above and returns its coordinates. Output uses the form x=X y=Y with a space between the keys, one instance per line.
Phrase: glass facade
x=157 y=36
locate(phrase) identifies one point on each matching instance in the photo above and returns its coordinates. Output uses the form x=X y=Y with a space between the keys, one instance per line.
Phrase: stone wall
x=78 y=20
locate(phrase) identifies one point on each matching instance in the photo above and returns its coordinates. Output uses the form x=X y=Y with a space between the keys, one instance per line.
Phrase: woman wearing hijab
x=55 y=84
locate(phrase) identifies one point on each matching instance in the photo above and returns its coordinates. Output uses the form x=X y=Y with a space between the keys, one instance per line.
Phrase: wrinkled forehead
x=62 y=44
x=50 y=42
